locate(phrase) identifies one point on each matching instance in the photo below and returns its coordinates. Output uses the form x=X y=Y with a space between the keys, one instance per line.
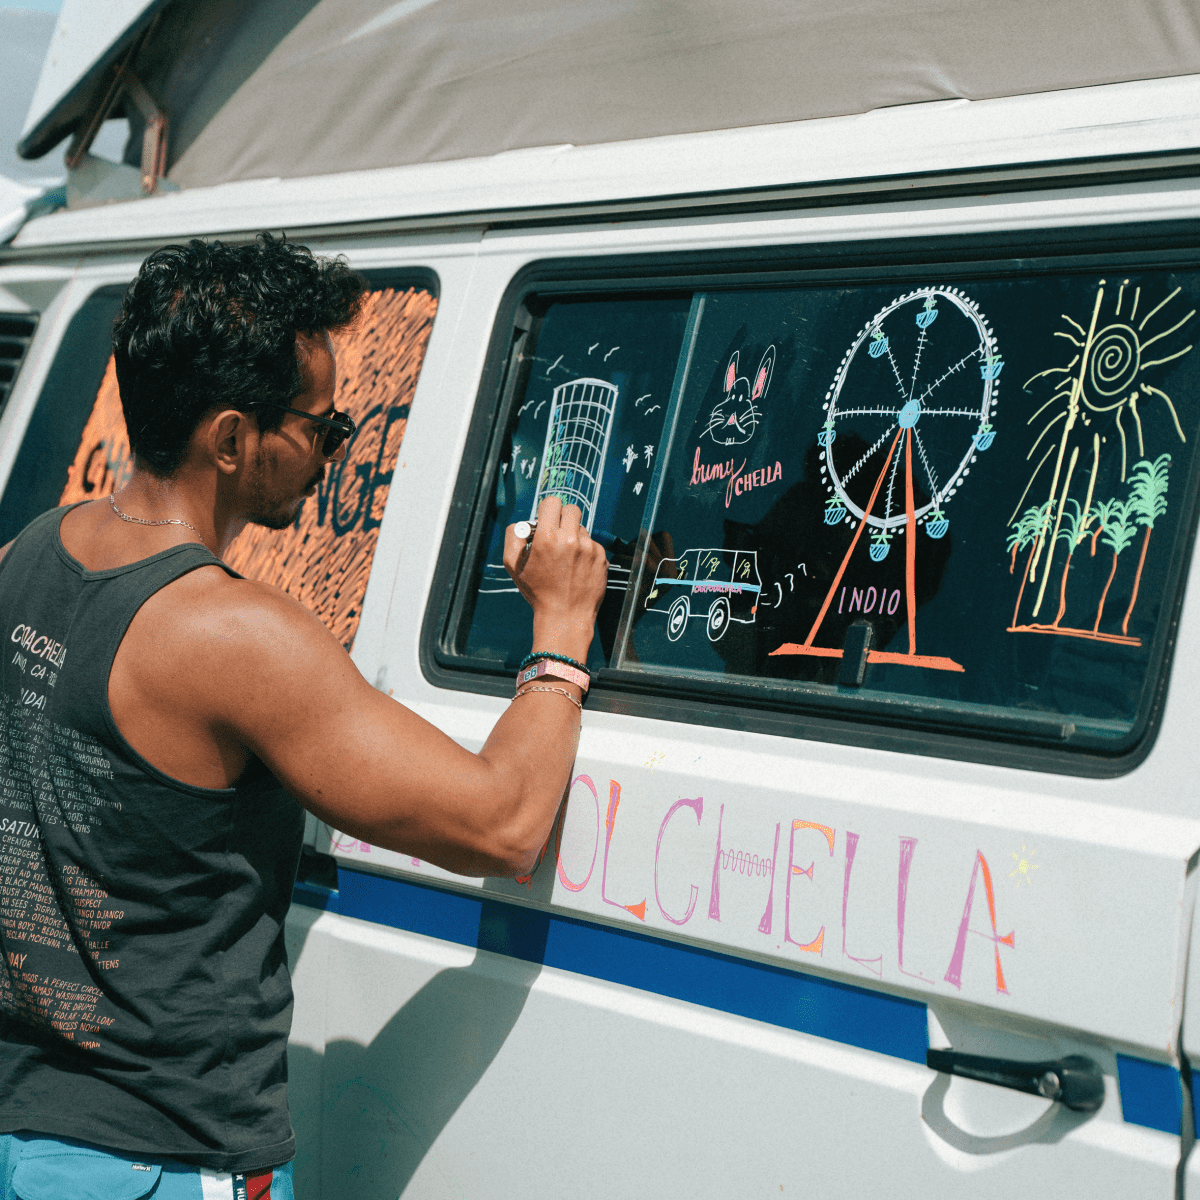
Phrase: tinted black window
x=952 y=499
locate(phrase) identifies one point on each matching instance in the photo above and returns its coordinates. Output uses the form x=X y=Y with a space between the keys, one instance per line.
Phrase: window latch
x=1075 y=1081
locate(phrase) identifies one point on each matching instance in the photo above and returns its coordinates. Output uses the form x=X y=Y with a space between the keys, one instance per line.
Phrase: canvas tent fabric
x=289 y=88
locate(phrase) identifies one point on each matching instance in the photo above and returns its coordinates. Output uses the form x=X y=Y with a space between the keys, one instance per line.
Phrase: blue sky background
x=50 y=6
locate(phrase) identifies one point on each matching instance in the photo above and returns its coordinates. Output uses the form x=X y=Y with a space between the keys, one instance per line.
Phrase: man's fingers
x=572 y=518
x=550 y=512
x=516 y=551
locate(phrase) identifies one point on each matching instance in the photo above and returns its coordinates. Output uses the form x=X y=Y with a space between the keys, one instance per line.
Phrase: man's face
x=289 y=462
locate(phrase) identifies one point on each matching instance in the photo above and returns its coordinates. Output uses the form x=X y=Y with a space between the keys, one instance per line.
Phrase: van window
x=324 y=558
x=932 y=499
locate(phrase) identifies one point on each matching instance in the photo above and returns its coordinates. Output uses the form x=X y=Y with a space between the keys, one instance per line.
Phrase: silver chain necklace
x=138 y=520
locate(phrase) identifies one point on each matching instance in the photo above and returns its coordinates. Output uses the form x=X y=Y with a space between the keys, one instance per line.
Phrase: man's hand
x=563 y=574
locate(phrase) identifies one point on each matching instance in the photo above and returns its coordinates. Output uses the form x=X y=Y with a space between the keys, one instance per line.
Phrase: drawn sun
x=1025 y=867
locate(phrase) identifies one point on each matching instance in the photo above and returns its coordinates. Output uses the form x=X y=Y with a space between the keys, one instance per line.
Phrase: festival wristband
x=534 y=655
x=555 y=670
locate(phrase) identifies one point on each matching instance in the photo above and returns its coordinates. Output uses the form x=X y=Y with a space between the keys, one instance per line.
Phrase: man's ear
x=225 y=436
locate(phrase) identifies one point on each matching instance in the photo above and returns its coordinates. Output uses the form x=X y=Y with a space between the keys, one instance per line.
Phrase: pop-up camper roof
x=270 y=89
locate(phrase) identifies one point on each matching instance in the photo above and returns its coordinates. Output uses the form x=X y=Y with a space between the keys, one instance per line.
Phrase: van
x=885 y=885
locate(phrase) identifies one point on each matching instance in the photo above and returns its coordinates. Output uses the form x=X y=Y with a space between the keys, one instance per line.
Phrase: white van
x=884 y=887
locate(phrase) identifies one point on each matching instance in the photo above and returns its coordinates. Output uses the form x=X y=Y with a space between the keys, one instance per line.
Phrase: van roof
x=259 y=90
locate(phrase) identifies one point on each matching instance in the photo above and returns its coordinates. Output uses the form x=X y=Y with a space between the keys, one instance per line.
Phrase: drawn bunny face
x=735 y=418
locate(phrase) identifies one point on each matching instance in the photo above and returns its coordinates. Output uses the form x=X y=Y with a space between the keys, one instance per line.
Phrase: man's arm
x=287 y=691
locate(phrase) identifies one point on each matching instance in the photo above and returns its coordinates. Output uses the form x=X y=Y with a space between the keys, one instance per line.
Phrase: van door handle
x=1076 y=1081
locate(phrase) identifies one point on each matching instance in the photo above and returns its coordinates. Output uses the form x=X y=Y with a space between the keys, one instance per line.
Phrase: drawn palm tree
x=1024 y=530
x=1147 y=503
x=1103 y=511
x=1028 y=531
x=1118 y=534
x=1072 y=530
x=1113 y=359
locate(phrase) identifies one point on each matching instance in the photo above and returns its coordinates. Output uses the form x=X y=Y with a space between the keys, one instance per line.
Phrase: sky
x=50 y=6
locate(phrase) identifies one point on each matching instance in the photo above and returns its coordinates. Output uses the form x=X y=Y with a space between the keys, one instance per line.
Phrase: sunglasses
x=339 y=427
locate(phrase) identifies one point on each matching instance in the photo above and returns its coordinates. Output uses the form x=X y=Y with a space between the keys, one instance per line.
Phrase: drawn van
x=889 y=890
x=716 y=584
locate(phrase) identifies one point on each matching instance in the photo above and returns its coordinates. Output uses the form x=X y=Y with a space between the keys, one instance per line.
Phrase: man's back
x=142 y=914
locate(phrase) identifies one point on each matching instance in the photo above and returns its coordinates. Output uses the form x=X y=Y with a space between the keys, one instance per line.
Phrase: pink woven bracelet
x=555 y=670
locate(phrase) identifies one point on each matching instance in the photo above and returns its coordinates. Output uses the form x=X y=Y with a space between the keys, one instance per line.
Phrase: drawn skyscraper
x=576 y=442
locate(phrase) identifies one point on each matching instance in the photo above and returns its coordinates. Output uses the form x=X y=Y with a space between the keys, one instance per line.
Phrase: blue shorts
x=41 y=1168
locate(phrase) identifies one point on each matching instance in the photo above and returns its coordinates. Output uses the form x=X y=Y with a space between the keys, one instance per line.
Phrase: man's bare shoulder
x=230 y=638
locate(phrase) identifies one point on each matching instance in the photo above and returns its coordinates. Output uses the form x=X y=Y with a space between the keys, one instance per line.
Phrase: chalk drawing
x=1094 y=414
x=735 y=418
x=610 y=821
x=908 y=846
x=954 y=971
x=577 y=436
x=752 y=866
x=1024 y=866
x=764 y=925
x=940 y=390
x=817 y=944
x=566 y=881
x=722 y=585
x=874 y=965
x=697 y=806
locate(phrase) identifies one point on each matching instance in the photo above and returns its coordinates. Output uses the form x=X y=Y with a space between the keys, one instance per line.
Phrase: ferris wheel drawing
x=908 y=412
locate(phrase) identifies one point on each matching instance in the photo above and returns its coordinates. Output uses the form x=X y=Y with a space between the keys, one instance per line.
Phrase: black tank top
x=144 y=993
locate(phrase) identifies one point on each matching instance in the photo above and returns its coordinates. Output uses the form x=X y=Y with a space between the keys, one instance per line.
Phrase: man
x=160 y=718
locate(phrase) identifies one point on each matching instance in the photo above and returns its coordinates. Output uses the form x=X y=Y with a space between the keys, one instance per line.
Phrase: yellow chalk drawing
x=656 y=759
x=1024 y=868
x=1097 y=394
x=324 y=558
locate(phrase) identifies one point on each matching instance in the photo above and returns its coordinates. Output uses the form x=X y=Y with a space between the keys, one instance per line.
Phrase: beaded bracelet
x=534 y=655
x=554 y=670
x=560 y=691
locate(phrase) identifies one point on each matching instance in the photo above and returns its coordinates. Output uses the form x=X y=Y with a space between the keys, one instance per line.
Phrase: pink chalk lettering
x=908 y=846
x=697 y=806
x=714 y=895
x=614 y=799
x=732 y=480
x=954 y=971
x=702 y=473
x=562 y=872
x=817 y=944
x=872 y=964
x=764 y=926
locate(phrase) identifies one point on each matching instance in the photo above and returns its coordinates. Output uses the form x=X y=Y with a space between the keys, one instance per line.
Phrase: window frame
x=730 y=704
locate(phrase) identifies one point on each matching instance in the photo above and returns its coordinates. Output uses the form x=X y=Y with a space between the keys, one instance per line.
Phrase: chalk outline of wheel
x=940 y=494
x=719 y=605
x=679 y=605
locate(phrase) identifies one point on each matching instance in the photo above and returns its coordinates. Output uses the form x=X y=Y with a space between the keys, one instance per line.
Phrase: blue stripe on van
x=1150 y=1092
x=313 y=895
x=840 y=1012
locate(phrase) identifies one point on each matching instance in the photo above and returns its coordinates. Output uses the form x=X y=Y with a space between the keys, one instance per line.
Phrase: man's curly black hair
x=209 y=326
